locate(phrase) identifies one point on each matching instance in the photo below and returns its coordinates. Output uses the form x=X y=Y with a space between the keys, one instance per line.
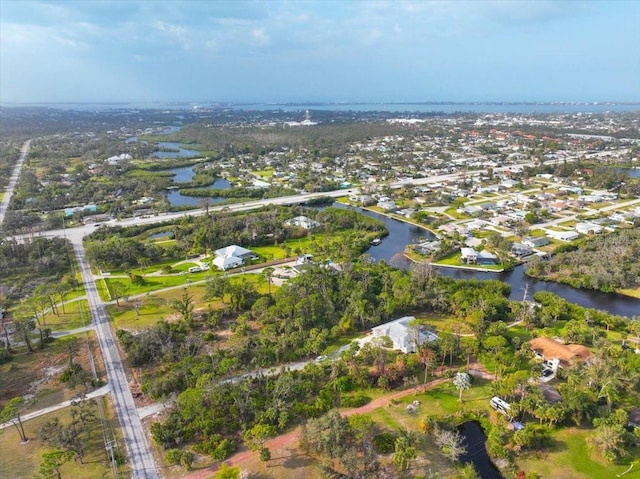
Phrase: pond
x=474 y=440
x=161 y=234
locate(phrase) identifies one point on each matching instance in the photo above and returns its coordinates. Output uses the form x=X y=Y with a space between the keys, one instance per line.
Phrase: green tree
x=184 y=306
x=405 y=450
x=23 y=328
x=51 y=463
x=11 y=413
x=227 y=472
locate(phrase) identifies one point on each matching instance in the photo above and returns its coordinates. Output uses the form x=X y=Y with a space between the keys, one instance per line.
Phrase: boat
x=376 y=242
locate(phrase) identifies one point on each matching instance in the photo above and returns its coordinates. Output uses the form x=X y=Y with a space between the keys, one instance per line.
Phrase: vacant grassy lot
x=153 y=307
x=571 y=458
x=36 y=375
x=73 y=315
x=24 y=459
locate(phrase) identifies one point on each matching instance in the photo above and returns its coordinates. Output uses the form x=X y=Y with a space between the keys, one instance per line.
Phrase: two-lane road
x=139 y=452
x=4 y=204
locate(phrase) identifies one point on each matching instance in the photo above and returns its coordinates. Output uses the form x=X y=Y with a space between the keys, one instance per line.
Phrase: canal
x=401 y=234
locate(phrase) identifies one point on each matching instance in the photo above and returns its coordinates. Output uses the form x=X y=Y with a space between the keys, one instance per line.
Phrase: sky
x=319 y=51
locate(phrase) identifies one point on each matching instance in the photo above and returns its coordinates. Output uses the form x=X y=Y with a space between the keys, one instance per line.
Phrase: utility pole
x=110 y=446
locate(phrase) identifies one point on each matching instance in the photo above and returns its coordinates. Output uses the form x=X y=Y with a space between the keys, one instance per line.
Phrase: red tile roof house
x=566 y=354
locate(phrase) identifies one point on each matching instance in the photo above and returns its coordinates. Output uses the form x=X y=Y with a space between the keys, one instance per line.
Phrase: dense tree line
x=27 y=263
x=605 y=263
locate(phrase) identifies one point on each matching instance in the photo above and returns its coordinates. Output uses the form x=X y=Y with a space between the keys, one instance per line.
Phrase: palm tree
x=462 y=381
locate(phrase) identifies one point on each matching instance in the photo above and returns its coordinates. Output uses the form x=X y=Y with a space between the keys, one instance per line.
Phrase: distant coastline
x=523 y=107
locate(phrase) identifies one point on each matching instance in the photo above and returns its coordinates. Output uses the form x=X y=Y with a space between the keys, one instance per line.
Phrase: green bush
x=385 y=443
x=355 y=400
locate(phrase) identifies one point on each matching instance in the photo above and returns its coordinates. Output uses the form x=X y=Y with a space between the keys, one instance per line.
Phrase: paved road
x=40 y=412
x=139 y=453
x=4 y=204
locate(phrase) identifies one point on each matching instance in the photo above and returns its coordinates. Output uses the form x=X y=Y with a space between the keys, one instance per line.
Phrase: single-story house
x=232 y=256
x=535 y=241
x=387 y=204
x=227 y=262
x=567 y=354
x=403 y=335
x=588 y=228
x=565 y=235
x=428 y=247
x=484 y=257
x=237 y=251
x=302 y=222
x=521 y=249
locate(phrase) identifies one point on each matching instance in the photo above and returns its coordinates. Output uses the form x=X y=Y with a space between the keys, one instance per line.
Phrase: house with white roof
x=237 y=251
x=227 y=262
x=588 y=228
x=302 y=222
x=404 y=336
x=468 y=255
x=232 y=256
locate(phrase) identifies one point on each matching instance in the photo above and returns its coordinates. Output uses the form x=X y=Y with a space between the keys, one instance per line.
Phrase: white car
x=321 y=358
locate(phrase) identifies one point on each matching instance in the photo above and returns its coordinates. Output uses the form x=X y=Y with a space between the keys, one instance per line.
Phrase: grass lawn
x=444 y=322
x=24 y=459
x=633 y=292
x=156 y=306
x=454 y=260
x=71 y=318
x=266 y=173
x=571 y=458
x=153 y=283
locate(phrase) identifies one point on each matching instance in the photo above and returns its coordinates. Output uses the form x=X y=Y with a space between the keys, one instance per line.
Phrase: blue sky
x=277 y=51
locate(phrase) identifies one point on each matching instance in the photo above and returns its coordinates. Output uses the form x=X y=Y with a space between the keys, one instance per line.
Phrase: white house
x=302 y=222
x=468 y=255
x=237 y=251
x=232 y=256
x=588 y=228
x=227 y=262
x=404 y=336
x=564 y=235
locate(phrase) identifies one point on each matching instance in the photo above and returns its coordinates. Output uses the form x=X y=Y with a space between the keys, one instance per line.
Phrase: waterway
x=474 y=440
x=632 y=172
x=178 y=153
x=400 y=234
x=184 y=175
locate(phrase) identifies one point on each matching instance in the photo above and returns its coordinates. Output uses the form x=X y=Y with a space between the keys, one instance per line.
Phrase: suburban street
x=139 y=453
x=4 y=204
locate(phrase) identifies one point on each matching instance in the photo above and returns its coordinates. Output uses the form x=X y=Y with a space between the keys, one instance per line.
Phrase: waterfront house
x=302 y=222
x=468 y=255
x=535 y=241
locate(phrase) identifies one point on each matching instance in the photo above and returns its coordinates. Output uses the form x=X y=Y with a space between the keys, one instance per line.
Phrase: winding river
x=401 y=234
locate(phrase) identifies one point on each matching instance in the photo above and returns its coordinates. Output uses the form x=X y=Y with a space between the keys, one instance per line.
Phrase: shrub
x=385 y=443
x=355 y=400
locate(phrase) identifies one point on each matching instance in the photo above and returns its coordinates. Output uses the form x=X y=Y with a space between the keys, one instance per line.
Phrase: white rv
x=500 y=405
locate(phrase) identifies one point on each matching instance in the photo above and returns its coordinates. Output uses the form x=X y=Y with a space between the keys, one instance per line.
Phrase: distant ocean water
x=417 y=107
